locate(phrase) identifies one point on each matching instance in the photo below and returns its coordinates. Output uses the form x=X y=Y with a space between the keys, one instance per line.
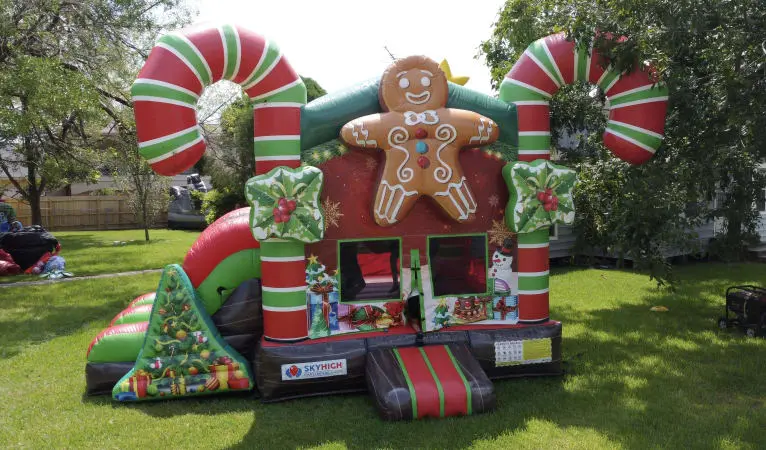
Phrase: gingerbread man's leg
x=392 y=203
x=457 y=199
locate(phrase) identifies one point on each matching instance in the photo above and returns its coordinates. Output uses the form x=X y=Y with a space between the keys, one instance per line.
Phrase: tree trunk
x=146 y=225
x=34 y=194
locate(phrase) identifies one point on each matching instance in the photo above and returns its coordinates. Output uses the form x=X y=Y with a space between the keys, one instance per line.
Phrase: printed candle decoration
x=285 y=204
x=540 y=195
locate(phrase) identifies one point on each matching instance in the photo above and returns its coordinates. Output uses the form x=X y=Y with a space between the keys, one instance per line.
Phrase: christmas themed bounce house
x=411 y=262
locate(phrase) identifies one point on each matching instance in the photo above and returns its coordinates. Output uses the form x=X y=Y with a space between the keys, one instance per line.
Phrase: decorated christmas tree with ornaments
x=183 y=354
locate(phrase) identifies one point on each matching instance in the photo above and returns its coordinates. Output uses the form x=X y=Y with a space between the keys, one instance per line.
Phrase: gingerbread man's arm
x=364 y=132
x=474 y=129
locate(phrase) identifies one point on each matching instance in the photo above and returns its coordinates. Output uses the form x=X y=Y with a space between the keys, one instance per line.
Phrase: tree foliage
x=712 y=56
x=65 y=68
x=231 y=160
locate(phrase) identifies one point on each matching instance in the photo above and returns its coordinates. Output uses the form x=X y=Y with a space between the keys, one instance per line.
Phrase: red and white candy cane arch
x=637 y=110
x=637 y=105
x=165 y=97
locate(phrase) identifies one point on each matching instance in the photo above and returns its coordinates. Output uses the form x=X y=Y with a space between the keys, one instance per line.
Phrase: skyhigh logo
x=317 y=369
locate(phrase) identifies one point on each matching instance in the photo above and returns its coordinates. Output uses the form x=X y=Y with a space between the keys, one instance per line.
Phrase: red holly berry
x=286 y=217
x=283 y=209
x=420 y=133
x=423 y=162
x=541 y=196
x=548 y=197
x=548 y=191
x=282 y=201
x=291 y=205
x=278 y=218
x=547 y=207
x=555 y=203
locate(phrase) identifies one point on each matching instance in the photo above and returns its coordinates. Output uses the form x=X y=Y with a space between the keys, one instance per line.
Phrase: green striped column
x=534 y=274
x=277 y=94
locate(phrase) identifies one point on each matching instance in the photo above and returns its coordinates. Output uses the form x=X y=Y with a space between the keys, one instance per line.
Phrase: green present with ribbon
x=540 y=195
x=285 y=204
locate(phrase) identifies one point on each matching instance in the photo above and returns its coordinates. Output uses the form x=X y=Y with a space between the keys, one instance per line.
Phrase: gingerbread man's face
x=415 y=83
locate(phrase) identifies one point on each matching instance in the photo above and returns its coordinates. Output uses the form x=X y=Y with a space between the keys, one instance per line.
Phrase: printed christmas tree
x=183 y=353
x=322 y=284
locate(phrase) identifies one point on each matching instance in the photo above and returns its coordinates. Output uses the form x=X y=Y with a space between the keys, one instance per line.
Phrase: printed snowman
x=501 y=270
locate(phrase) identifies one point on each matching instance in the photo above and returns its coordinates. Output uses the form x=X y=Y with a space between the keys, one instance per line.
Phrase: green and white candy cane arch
x=165 y=95
x=637 y=111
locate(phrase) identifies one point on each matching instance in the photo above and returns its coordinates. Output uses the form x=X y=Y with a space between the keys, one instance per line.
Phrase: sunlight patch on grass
x=537 y=434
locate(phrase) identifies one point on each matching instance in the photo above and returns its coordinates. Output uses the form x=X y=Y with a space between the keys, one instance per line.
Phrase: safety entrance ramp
x=428 y=381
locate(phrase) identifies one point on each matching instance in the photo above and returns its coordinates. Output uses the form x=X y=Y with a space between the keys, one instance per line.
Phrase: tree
x=711 y=56
x=147 y=192
x=64 y=71
x=231 y=161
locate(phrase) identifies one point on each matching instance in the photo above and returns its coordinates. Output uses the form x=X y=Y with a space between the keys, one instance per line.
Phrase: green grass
x=634 y=379
x=94 y=252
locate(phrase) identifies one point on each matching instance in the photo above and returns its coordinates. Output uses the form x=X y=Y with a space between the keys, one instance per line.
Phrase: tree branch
x=24 y=193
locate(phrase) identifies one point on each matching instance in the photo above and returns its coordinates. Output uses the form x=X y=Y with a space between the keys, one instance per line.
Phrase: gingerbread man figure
x=422 y=139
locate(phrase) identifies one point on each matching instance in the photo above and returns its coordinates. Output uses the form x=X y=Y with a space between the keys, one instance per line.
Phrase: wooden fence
x=103 y=212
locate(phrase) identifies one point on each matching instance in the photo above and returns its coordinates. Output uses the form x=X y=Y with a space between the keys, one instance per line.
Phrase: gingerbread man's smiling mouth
x=418 y=99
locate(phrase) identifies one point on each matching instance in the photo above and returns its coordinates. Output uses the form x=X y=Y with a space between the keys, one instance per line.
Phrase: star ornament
x=444 y=66
x=540 y=195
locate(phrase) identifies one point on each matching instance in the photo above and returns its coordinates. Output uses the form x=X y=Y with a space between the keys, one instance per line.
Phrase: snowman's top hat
x=507 y=248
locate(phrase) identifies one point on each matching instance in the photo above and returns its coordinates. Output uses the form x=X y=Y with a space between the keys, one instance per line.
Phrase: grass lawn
x=94 y=252
x=634 y=379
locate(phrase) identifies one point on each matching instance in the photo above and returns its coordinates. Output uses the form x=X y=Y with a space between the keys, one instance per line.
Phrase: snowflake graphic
x=499 y=232
x=332 y=213
x=494 y=200
x=371 y=164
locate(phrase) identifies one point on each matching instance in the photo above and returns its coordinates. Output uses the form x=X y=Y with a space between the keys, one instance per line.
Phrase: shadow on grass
x=49 y=322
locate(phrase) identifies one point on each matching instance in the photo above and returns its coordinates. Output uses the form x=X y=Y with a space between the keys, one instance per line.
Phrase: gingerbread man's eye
x=404 y=83
x=425 y=81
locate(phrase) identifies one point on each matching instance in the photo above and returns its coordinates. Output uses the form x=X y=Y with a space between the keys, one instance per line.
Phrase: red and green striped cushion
x=429 y=381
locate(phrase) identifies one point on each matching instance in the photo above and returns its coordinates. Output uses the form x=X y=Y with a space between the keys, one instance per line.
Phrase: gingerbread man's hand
x=475 y=130
x=363 y=132
x=487 y=131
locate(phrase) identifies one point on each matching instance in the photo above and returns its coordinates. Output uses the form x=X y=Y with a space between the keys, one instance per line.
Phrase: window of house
x=369 y=269
x=458 y=264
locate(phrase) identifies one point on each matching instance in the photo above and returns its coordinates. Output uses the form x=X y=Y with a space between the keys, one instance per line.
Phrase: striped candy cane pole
x=637 y=111
x=165 y=95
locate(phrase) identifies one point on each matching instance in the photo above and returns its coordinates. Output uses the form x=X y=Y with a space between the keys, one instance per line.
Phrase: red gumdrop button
x=423 y=162
x=421 y=133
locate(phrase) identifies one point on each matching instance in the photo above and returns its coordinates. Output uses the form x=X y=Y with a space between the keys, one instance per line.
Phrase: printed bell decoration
x=285 y=204
x=540 y=195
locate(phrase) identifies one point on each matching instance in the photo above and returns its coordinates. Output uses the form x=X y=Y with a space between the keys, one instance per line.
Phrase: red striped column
x=277 y=94
x=534 y=272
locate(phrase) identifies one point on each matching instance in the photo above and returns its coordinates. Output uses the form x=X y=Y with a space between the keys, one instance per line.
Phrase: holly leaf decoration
x=540 y=195
x=285 y=204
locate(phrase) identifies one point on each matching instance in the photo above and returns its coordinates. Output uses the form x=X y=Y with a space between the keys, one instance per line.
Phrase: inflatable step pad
x=430 y=381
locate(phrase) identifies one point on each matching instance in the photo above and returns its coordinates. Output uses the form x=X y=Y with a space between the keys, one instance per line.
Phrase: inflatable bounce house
x=411 y=263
